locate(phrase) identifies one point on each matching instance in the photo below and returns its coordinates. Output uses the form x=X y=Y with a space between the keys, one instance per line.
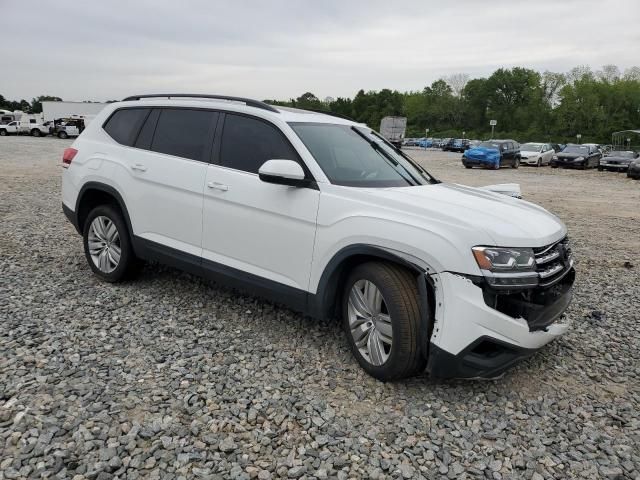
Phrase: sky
x=101 y=50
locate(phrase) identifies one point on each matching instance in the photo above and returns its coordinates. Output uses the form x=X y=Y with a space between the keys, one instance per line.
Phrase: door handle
x=218 y=186
x=138 y=166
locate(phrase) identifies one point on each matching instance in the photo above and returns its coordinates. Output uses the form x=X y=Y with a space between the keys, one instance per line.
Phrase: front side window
x=123 y=126
x=247 y=143
x=183 y=132
x=357 y=157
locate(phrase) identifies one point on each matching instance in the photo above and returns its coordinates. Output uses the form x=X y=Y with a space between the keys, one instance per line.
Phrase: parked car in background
x=634 y=169
x=25 y=127
x=493 y=154
x=558 y=147
x=537 y=154
x=617 y=160
x=425 y=143
x=393 y=130
x=411 y=142
x=443 y=142
x=577 y=156
x=68 y=127
x=456 y=145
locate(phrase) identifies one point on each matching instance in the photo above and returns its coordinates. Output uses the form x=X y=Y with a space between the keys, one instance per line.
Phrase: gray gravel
x=174 y=377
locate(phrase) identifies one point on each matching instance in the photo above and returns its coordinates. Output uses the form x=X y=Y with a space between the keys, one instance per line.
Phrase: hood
x=571 y=155
x=530 y=153
x=508 y=222
x=482 y=153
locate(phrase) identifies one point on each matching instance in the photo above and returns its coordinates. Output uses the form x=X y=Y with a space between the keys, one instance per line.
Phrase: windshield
x=531 y=147
x=493 y=145
x=576 y=149
x=622 y=154
x=357 y=157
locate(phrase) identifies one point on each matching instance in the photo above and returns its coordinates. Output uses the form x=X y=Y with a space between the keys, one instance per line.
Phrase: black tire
x=35 y=132
x=3 y=133
x=600 y=169
x=128 y=263
x=497 y=166
x=63 y=135
x=400 y=293
x=554 y=166
x=516 y=163
x=467 y=166
x=539 y=164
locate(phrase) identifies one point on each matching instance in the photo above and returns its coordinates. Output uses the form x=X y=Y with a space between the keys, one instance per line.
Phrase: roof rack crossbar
x=247 y=101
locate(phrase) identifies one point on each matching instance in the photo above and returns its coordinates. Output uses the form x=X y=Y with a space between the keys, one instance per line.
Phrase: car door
x=547 y=154
x=257 y=228
x=162 y=171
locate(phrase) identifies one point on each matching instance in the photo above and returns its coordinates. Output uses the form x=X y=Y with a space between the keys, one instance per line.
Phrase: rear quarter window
x=124 y=125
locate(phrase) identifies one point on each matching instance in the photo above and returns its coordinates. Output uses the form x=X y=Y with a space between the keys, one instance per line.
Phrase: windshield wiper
x=376 y=147
x=416 y=165
x=387 y=157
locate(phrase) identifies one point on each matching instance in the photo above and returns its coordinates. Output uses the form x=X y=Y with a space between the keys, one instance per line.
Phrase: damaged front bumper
x=481 y=332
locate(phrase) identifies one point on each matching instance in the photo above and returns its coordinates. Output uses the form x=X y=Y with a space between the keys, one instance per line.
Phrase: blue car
x=425 y=143
x=493 y=154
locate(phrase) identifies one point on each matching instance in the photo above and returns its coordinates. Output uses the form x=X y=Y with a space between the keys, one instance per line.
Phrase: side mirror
x=283 y=172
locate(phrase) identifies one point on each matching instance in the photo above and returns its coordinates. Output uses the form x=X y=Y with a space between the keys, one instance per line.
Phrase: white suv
x=322 y=214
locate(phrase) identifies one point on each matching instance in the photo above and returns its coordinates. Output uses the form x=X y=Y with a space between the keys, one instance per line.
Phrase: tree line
x=526 y=104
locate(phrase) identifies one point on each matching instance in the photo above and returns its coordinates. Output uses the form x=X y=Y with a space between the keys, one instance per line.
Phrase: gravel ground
x=174 y=377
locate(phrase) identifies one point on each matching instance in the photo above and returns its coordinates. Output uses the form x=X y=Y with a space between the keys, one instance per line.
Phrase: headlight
x=555 y=157
x=579 y=159
x=507 y=267
x=504 y=259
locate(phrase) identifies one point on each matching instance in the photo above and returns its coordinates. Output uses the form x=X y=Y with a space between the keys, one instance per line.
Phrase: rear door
x=258 y=228
x=162 y=170
x=547 y=153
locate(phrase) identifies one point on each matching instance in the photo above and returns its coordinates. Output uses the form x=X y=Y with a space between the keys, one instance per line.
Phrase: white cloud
x=280 y=49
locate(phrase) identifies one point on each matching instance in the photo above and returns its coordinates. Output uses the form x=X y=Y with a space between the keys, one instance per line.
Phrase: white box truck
x=393 y=129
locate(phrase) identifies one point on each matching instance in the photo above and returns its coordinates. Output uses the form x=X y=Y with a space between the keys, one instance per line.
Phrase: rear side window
x=248 y=142
x=183 y=132
x=123 y=126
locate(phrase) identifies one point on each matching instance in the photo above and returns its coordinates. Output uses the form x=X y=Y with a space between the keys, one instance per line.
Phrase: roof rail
x=247 y=101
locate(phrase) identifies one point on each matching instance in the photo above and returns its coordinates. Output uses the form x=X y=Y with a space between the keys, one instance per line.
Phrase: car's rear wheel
x=107 y=245
x=62 y=135
x=539 y=164
x=467 y=166
x=35 y=132
x=381 y=318
x=516 y=163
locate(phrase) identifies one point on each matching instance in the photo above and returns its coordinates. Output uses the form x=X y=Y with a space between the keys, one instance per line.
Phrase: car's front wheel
x=107 y=245
x=63 y=135
x=381 y=316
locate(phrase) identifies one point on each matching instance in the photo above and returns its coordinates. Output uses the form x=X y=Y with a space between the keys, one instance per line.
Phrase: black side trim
x=72 y=217
x=327 y=292
x=486 y=357
x=111 y=191
x=253 y=284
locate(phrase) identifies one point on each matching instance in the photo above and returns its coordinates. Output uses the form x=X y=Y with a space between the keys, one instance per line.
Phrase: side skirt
x=291 y=297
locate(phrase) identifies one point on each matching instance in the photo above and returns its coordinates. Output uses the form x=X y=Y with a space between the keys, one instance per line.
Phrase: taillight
x=67 y=156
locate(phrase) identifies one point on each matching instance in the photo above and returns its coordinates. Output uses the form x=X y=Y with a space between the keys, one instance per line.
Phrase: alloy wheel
x=370 y=322
x=104 y=244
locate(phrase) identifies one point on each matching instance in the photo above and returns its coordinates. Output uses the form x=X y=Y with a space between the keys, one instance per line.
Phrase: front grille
x=553 y=262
